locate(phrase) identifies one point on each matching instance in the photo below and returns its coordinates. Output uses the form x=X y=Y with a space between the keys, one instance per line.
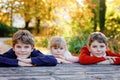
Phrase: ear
x=13 y=48
x=32 y=49
x=106 y=47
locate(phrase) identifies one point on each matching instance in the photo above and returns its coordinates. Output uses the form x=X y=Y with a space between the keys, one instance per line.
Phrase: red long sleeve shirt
x=86 y=58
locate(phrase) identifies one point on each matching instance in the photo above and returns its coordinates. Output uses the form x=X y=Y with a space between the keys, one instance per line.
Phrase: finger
x=111 y=60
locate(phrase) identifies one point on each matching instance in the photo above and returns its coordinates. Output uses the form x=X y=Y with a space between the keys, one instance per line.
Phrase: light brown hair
x=97 y=36
x=24 y=36
x=57 y=41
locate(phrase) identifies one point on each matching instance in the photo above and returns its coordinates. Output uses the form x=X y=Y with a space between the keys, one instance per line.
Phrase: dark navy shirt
x=37 y=58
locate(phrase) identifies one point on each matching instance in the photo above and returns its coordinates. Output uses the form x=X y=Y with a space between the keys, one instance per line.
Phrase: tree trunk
x=95 y=20
x=27 y=25
x=102 y=12
x=38 y=26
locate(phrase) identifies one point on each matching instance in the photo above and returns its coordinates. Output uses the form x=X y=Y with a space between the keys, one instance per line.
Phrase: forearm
x=73 y=59
x=8 y=61
x=44 y=60
x=90 y=59
x=60 y=61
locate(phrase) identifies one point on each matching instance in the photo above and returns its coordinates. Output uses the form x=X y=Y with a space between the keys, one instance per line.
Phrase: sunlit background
x=72 y=19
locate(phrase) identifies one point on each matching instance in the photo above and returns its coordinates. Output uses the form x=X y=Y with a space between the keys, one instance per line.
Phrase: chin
x=23 y=57
x=100 y=56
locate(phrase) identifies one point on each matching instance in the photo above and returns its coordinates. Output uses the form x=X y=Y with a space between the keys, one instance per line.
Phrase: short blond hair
x=24 y=36
x=57 y=41
x=97 y=36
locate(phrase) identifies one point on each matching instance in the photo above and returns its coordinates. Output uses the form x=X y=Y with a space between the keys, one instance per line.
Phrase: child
x=23 y=52
x=96 y=52
x=58 y=48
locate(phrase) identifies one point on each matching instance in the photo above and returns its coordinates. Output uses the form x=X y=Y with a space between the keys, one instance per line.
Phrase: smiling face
x=58 y=50
x=57 y=45
x=97 y=49
x=22 y=50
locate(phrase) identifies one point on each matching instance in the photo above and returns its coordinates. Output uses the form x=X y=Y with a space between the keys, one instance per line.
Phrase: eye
x=61 y=48
x=102 y=46
x=55 y=48
x=26 y=46
x=94 y=46
x=18 y=46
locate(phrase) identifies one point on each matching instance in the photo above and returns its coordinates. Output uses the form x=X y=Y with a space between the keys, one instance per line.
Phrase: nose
x=58 y=50
x=22 y=49
x=98 y=49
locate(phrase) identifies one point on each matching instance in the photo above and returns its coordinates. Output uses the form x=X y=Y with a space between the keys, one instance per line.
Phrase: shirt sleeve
x=67 y=54
x=8 y=59
x=85 y=58
x=43 y=60
x=117 y=60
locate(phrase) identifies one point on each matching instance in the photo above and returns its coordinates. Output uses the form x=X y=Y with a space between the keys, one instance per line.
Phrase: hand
x=20 y=63
x=59 y=56
x=110 y=57
x=106 y=62
x=73 y=59
x=62 y=61
x=24 y=60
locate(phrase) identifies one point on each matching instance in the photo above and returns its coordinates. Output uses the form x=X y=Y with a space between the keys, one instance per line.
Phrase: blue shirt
x=37 y=58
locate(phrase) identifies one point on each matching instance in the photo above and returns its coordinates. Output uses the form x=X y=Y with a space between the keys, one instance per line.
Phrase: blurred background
x=72 y=19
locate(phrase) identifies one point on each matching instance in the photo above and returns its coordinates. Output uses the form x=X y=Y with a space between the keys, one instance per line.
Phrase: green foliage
x=113 y=31
x=41 y=42
x=77 y=42
x=6 y=31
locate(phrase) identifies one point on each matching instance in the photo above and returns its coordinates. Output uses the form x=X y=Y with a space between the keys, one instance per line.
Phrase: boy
x=96 y=52
x=23 y=52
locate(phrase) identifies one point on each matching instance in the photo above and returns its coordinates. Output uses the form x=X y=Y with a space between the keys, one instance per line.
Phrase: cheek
x=90 y=49
x=105 y=49
x=15 y=49
x=53 y=51
x=63 y=51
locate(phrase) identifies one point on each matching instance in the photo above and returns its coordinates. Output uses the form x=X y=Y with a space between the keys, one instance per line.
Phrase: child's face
x=97 y=49
x=22 y=50
x=58 y=50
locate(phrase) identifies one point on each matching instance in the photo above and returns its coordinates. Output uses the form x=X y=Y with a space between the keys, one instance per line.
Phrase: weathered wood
x=62 y=72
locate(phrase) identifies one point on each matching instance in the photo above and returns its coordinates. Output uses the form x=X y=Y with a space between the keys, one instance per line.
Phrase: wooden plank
x=62 y=72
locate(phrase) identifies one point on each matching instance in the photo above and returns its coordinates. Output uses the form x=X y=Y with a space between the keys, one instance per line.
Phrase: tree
x=102 y=12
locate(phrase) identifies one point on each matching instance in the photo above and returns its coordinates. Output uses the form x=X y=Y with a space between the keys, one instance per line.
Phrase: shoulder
x=85 y=47
x=49 y=53
x=67 y=54
x=84 y=50
x=36 y=51
x=111 y=53
x=9 y=53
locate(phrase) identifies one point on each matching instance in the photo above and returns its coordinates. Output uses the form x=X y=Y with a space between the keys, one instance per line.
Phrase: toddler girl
x=58 y=48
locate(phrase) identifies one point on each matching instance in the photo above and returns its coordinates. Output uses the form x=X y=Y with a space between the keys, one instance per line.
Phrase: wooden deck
x=62 y=72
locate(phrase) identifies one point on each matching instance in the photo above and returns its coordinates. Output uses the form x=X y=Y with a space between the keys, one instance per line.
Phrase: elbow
x=54 y=62
x=83 y=61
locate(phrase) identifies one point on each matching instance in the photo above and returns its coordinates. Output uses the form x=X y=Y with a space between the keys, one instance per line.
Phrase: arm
x=40 y=59
x=69 y=57
x=105 y=62
x=114 y=55
x=7 y=59
x=8 y=62
x=60 y=61
x=85 y=57
x=73 y=59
